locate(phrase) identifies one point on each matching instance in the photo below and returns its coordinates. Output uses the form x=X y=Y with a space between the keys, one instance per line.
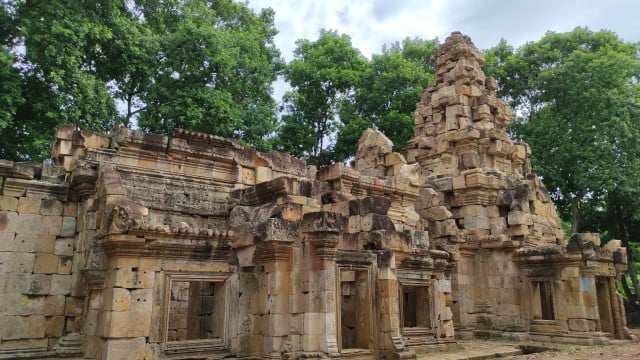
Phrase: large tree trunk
x=575 y=214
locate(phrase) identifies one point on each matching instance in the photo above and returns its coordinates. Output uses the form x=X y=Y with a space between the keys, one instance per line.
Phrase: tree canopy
x=577 y=98
x=323 y=75
x=386 y=94
x=205 y=66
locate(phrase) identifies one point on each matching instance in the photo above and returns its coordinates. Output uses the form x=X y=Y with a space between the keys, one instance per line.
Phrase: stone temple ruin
x=139 y=246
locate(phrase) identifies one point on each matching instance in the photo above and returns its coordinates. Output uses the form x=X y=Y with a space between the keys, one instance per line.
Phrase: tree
x=578 y=98
x=387 y=93
x=205 y=66
x=10 y=81
x=323 y=73
x=578 y=103
x=215 y=65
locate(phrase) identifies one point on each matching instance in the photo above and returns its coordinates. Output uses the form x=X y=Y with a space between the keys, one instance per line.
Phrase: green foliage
x=205 y=66
x=578 y=99
x=578 y=105
x=387 y=93
x=215 y=66
x=336 y=91
x=10 y=84
x=323 y=75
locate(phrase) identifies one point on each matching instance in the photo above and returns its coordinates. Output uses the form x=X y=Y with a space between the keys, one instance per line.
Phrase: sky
x=372 y=23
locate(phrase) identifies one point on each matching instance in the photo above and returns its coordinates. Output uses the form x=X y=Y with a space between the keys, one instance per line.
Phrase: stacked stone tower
x=469 y=161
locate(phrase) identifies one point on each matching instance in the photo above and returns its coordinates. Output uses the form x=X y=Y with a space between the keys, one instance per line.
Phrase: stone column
x=127 y=304
x=321 y=230
x=274 y=244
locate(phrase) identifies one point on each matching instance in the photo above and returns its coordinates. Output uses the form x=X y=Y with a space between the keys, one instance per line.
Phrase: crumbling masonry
x=139 y=246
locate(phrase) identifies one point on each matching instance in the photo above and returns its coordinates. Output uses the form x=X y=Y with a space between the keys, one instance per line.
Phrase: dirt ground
x=624 y=350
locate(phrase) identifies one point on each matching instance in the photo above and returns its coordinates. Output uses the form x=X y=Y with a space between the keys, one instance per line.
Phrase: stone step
x=69 y=345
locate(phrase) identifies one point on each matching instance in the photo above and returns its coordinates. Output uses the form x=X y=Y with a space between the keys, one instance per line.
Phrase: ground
x=629 y=350
x=481 y=350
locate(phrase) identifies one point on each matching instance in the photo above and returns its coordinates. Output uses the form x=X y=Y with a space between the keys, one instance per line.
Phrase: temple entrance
x=542 y=297
x=416 y=307
x=355 y=309
x=604 y=305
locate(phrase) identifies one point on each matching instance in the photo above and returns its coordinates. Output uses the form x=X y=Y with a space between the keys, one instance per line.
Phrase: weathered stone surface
x=135 y=245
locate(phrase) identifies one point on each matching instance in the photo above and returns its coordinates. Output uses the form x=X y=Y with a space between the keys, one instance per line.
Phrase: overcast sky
x=372 y=23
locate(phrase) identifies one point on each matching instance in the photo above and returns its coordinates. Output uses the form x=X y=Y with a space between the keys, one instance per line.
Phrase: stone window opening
x=542 y=297
x=195 y=313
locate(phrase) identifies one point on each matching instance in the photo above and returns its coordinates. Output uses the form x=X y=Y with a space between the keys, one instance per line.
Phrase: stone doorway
x=604 y=305
x=355 y=309
x=416 y=307
x=543 y=300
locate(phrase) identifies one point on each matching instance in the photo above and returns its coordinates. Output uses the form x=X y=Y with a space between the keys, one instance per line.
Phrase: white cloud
x=372 y=23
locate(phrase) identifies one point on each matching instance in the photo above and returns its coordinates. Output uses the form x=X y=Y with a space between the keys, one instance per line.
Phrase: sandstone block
x=74 y=306
x=519 y=218
x=68 y=226
x=54 y=326
x=459 y=182
x=65 y=265
x=8 y=242
x=53 y=305
x=8 y=203
x=117 y=299
x=12 y=327
x=369 y=204
x=63 y=246
x=34 y=326
x=46 y=264
x=443 y=184
x=446 y=314
x=133 y=349
x=17 y=283
x=498 y=225
x=60 y=284
x=142 y=301
x=476 y=222
x=443 y=228
x=28 y=224
x=10 y=304
x=436 y=213
x=16 y=262
x=42 y=243
x=27 y=205
x=144 y=279
x=263 y=174
x=372 y=222
x=8 y=221
x=51 y=207
x=50 y=225
x=124 y=324
x=428 y=197
x=70 y=209
x=470 y=160
x=582 y=325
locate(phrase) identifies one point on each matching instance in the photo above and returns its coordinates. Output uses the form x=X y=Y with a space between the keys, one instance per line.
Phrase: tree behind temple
x=323 y=74
x=206 y=67
x=387 y=93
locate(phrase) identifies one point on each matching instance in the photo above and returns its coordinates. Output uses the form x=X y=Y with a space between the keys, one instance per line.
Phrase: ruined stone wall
x=39 y=303
x=143 y=246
